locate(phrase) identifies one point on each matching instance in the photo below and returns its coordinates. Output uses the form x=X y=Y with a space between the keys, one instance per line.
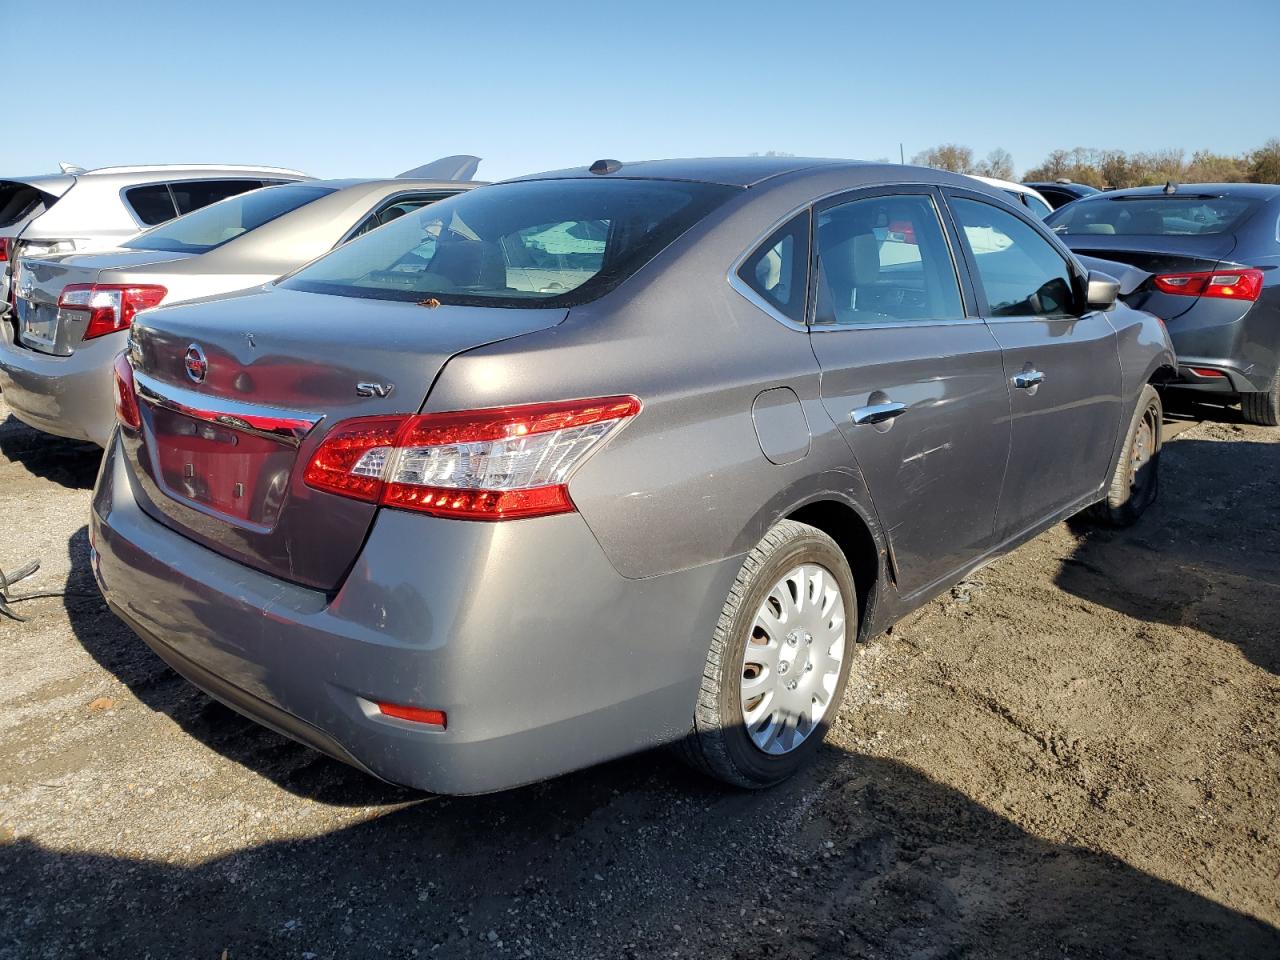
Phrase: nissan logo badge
x=197 y=366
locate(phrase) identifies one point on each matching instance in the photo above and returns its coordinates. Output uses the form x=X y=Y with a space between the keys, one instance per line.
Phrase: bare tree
x=999 y=164
x=948 y=156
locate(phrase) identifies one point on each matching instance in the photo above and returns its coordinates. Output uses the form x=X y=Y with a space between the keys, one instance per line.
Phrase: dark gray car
x=1211 y=252
x=598 y=460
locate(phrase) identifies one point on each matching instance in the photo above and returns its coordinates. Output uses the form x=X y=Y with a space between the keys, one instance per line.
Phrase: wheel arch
x=859 y=538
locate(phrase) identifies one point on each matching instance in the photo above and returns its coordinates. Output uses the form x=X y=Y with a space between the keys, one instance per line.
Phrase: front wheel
x=778 y=662
x=1136 y=481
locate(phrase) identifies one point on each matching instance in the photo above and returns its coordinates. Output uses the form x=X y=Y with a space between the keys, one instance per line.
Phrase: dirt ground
x=1074 y=755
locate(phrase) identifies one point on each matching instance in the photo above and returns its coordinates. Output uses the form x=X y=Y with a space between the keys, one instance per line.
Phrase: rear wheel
x=1136 y=481
x=779 y=660
x=1263 y=408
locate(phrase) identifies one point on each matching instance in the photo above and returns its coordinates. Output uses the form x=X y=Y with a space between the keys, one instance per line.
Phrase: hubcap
x=792 y=658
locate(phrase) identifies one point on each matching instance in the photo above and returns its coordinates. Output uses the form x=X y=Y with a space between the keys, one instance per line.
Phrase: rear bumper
x=543 y=657
x=65 y=396
x=1195 y=375
x=1240 y=340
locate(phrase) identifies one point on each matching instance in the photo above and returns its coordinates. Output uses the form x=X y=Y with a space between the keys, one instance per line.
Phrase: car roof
x=396 y=184
x=731 y=171
x=186 y=170
x=1262 y=191
x=1011 y=186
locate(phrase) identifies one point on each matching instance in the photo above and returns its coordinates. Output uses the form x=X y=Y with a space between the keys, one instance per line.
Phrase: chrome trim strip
x=273 y=423
x=740 y=285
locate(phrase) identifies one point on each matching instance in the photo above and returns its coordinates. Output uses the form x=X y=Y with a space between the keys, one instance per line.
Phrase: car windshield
x=1152 y=216
x=202 y=230
x=547 y=243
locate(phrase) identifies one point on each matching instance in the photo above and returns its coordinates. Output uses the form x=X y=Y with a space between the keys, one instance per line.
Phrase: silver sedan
x=72 y=311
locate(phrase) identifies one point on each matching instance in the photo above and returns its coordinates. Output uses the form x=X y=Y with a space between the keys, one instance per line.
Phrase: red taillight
x=126 y=398
x=111 y=306
x=503 y=463
x=434 y=718
x=1206 y=372
x=1243 y=284
x=4 y=249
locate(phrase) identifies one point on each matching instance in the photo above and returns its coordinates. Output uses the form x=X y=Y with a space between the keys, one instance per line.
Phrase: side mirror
x=1102 y=291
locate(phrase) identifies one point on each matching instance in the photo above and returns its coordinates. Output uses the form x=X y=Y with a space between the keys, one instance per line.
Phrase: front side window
x=193 y=194
x=1021 y=273
x=548 y=243
x=394 y=210
x=214 y=225
x=151 y=204
x=884 y=259
x=778 y=271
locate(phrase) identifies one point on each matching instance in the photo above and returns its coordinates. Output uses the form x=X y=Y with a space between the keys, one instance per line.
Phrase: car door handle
x=877 y=413
x=1028 y=379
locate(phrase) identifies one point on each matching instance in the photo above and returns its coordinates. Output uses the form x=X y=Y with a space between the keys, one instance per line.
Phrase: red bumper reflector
x=1206 y=372
x=435 y=718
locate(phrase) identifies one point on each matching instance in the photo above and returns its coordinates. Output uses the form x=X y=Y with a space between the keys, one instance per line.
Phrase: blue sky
x=370 y=89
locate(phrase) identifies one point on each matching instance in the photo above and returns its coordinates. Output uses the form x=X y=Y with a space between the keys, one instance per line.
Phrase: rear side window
x=152 y=204
x=885 y=259
x=1152 y=216
x=1021 y=273
x=778 y=270
x=193 y=194
x=1034 y=204
x=18 y=202
x=548 y=243
x=215 y=225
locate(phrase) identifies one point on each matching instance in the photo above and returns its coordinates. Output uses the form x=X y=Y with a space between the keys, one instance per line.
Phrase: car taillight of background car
x=110 y=307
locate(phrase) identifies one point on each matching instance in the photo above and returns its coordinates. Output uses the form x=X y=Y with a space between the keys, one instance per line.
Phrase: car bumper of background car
x=1210 y=376
x=542 y=656
x=65 y=396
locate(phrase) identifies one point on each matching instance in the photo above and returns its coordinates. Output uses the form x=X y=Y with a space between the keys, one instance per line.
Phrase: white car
x=1026 y=196
x=82 y=210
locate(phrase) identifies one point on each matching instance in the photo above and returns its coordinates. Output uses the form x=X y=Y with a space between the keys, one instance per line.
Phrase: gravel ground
x=1073 y=755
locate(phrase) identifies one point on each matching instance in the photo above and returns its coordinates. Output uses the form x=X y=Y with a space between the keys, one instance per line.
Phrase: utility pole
x=902 y=157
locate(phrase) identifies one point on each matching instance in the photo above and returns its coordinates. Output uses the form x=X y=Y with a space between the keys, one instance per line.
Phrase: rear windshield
x=1151 y=216
x=551 y=243
x=214 y=225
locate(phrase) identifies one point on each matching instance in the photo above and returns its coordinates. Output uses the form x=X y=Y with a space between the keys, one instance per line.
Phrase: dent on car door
x=914 y=380
x=1061 y=359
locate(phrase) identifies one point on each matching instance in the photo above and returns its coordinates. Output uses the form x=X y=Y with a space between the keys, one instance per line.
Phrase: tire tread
x=705 y=749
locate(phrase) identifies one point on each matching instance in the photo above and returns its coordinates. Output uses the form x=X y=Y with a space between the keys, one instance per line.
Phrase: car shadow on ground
x=858 y=857
x=1217 y=525
x=70 y=463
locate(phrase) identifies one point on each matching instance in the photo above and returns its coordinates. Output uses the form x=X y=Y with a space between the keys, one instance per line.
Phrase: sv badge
x=374 y=389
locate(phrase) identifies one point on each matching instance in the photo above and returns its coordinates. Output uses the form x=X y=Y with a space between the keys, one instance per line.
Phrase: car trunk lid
x=236 y=394
x=1158 y=255
x=38 y=283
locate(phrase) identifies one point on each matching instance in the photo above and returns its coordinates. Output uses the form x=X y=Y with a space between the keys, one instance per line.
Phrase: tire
x=721 y=743
x=1263 y=408
x=1136 y=481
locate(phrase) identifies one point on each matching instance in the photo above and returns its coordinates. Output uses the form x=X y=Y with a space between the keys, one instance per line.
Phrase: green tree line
x=1116 y=168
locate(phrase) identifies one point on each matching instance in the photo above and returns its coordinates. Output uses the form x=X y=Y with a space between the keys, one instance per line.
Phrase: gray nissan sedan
x=603 y=459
